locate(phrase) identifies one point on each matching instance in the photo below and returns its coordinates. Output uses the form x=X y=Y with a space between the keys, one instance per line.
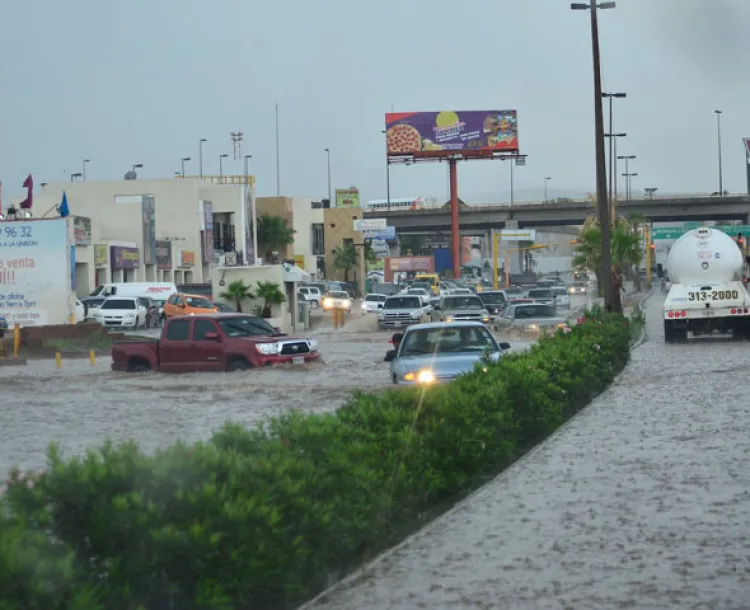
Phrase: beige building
x=339 y=231
x=171 y=230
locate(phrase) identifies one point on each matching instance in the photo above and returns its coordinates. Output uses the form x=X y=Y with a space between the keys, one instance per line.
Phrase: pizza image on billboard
x=441 y=134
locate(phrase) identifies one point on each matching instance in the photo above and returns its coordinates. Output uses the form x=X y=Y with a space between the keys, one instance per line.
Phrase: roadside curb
x=644 y=335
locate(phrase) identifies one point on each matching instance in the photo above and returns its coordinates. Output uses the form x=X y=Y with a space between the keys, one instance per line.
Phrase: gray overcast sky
x=142 y=81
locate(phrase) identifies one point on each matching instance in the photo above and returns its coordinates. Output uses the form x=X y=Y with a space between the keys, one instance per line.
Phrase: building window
x=318 y=239
x=348 y=242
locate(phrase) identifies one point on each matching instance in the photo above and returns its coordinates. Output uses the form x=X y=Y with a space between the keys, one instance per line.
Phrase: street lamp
x=74 y=176
x=628 y=181
x=200 y=155
x=137 y=166
x=613 y=137
x=85 y=161
x=627 y=159
x=328 y=152
x=612 y=146
x=718 y=135
x=246 y=157
x=183 y=164
x=546 y=180
x=601 y=164
x=221 y=166
x=387 y=173
x=650 y=190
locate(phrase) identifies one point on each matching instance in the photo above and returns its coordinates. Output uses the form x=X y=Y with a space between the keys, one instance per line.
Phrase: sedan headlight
x=327 y=302
x=313 y=343
x=425 y=376
x=531 y=327
x=571 y=290
x=449 y=318
x=485 y=319
x=268 y=349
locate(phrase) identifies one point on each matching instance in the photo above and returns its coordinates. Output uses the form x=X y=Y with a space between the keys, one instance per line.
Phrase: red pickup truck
x=213 y=342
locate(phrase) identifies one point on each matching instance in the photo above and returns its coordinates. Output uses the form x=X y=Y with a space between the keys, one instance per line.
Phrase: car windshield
x=534 y=311
x=447 y=340
x=540 y=293
x=245 y=326
x=373 y=297
x=340 y=295
x=199 y=302
x=416 y=291
x=402 y=303
x=492 y=297
x=463 y=303
x=93 y=302
x=118 y=304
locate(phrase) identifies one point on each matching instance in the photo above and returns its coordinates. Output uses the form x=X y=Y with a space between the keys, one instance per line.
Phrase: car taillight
x=670 y=314
x=734 y=310
x=684 y=313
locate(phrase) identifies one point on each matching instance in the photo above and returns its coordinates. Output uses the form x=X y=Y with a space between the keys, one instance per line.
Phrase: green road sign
x=677 y=232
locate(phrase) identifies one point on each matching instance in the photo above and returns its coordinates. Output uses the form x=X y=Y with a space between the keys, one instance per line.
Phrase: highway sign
x=518 y=234
x=677 y=232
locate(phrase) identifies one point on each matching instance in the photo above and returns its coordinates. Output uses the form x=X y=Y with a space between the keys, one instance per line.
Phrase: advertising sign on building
x=124 y=257
x=441 y=134
x=370 y=224
x=35 y=272
x=207 y=243
x=187 y=258
x=347 y=198
x=148 y=216
x=100 y=255
x=407 y=264
x=163 y=254
x=383 y=234
x=82 y=230
x=299 y=260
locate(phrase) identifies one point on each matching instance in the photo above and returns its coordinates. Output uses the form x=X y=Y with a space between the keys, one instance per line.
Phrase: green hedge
x=265 y=518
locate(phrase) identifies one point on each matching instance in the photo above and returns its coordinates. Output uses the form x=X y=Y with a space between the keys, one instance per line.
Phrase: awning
x=292 y=273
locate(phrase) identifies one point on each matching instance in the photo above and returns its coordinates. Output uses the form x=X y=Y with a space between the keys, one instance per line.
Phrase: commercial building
x=173 y=230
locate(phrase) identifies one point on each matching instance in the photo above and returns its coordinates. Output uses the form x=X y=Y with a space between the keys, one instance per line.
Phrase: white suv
x=121 y=312
x=312 y=295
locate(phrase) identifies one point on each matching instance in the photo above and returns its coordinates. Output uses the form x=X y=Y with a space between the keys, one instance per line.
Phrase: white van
x=158 y=292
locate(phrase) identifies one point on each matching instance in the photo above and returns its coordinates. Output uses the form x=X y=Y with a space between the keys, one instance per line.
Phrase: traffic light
x=653 y=247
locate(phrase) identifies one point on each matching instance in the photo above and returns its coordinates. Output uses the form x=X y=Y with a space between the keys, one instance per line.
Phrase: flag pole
x=278 y=166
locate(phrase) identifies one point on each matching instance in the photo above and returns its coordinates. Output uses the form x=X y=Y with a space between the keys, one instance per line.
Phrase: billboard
x=518 y=234
x=148 y=216
x=124 y=257
x=370 y=224
x=347 y=198
x=163 y=254
x=82 y=230
x=35 y=272
x=471 y=251
x=441 y=134
x=100 y=255
x=187 y=258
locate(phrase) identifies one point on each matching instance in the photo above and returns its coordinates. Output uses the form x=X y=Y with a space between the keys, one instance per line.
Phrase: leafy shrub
x=264 y=518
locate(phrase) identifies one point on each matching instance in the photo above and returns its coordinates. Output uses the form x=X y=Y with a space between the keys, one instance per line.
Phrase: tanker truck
x=708 y=294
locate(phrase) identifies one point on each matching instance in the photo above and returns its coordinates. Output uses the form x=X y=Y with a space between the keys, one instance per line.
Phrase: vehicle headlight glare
x=268 y=349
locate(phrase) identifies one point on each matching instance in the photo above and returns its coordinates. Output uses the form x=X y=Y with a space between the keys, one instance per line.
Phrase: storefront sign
x=163 y=254
x=187 y=258
x=123 y=257
x=100 y=255
x=148 y=218
x=82 y=230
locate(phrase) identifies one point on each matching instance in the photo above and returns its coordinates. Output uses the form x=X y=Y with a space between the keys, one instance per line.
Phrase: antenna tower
x=236 y=137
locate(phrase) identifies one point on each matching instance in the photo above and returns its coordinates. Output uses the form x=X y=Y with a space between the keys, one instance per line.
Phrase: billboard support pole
x=455 y=237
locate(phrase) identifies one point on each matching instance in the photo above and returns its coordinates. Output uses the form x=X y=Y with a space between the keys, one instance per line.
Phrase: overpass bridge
x=541 y=214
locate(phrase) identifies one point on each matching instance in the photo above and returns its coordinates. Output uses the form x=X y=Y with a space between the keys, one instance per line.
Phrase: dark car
x=153 y=312
x=494 y=300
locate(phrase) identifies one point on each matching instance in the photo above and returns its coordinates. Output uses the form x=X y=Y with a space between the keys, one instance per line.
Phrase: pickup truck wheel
x=238 y=364
x=139 y=367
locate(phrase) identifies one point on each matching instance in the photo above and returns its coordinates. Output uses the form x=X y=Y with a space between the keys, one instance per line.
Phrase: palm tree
x=237 y=291
x=273 y=234
x=271 y=294
x=345 y=258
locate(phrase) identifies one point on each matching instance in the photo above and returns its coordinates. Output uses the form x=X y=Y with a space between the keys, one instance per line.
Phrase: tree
x=345 y=258
x=273 y=234
x=236 y=292
x=272 y=294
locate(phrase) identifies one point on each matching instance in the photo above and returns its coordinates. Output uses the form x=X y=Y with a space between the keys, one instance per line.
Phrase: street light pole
x=610 y=302
x=612 y=153
x=74 y=176
x=627 y=159
x=628 y=183
x=200 y=155
x=221 y=166
x=246 y=159
x=328 y=152
x=85 y=161
x=387 y=174
x=721 y=167
x=546 y=180
x=183 y=165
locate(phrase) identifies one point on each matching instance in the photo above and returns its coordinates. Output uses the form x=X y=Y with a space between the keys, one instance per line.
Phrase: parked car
x=337 y=299
x=541 y=295
x=120 y=312
x=222 y=308
x=457 y=308
x=561 y=296
x=180 y=304
x=402 y=310
x=312 y=295
x=213 y=342
x=372 y=303
x=439 y=352
x=529 y=317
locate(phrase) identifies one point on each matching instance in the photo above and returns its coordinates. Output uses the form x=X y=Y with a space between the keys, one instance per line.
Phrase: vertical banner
x=250 y=224
x=148 y=215
x=208 y=231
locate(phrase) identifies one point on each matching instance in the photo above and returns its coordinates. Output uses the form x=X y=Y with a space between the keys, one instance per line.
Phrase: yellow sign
x=299 y=259
x=347 y=198
x=100 y=255
x=187 y=258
